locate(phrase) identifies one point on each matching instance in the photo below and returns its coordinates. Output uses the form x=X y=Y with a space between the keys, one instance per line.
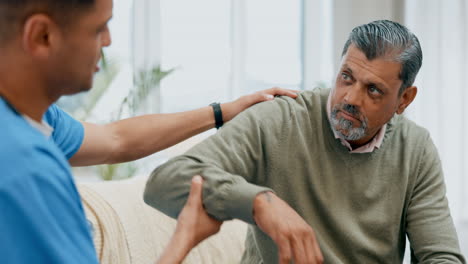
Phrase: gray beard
x=349 y=133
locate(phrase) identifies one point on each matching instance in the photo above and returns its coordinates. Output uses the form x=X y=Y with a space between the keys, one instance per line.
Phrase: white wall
x=441 y=102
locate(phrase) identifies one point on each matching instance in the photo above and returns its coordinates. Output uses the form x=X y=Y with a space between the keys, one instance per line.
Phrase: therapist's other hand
x=193 y=221
x=193 y=226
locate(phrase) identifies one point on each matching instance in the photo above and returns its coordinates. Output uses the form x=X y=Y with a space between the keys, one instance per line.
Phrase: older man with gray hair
x=336 y=176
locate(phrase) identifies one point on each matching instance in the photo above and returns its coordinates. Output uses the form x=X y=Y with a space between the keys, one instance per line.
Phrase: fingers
x=267 y=97
x=258 y=97
x=313 y=251
x=293 y=236
x=262 y=96
x=300 y=251
x=195 y=195
x=284 y=250
x=281 y=91
x=305 y=248
x=318 y=253
x=270 y=94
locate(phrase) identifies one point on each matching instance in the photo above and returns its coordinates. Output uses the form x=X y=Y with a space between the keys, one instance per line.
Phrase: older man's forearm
x=231 y=163
x=225 y=196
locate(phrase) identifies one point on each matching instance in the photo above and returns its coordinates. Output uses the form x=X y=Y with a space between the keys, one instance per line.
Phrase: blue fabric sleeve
x=68 y=133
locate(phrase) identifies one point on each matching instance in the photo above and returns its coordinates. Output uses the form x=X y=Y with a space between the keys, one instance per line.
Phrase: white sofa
x=128 y=231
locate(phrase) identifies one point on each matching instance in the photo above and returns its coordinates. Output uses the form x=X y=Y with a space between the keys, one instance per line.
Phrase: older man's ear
x=406 y=98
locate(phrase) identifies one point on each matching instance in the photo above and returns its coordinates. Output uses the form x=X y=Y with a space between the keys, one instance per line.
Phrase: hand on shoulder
x=231 y=109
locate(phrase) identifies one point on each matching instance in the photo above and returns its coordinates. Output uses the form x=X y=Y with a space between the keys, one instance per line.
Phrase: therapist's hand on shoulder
x=193 y=226
x=231 y=109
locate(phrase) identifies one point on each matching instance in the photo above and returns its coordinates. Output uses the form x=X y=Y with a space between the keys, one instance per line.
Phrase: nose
x=106 y=39
x=353 y=95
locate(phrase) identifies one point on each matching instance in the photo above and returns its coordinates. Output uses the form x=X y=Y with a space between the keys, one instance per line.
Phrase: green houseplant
x=145 y=81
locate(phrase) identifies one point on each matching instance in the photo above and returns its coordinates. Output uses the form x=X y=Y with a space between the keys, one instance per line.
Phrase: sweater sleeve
x=430 y=228
x=232 y=163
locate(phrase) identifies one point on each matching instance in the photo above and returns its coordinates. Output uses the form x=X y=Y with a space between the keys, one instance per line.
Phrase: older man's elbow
x=149 y=193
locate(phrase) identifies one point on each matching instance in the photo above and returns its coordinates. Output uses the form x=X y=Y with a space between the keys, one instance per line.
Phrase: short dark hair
x=388 y=38
x=13 y=13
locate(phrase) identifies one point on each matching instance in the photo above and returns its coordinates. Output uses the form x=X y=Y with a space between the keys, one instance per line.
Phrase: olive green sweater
x=361 y=206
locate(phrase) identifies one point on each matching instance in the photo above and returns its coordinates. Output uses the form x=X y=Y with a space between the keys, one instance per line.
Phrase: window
x=222 y=49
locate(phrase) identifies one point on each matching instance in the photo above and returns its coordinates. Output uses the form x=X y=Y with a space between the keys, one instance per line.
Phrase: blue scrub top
x=41 y=215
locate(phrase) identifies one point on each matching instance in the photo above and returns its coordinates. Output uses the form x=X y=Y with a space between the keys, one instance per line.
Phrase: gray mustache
x=353 y=133
x=351 y=109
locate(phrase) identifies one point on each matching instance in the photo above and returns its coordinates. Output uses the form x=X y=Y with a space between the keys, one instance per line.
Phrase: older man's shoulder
x=306 y=100
x=408 y=130
x=283 y=108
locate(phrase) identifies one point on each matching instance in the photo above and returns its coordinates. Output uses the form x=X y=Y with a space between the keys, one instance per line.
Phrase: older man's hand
x=293 y=236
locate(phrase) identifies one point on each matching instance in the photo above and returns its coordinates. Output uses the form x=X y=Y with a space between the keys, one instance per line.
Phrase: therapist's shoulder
x=23 y=149
x=54 y=115
x=17 y=136
x=37 y=188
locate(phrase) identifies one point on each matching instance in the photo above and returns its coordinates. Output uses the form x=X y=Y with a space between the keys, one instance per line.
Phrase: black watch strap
x=218 y=114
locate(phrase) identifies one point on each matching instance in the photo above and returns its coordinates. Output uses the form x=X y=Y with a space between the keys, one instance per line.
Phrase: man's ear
x=406 y=98
x=38 y=34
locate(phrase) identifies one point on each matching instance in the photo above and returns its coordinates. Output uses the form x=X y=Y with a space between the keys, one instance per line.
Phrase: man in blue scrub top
x=50 y=48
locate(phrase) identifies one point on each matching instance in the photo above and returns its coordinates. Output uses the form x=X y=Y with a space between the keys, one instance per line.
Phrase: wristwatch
x=218 y=115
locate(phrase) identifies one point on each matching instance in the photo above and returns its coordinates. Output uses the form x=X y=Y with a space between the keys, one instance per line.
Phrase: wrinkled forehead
x=386 y=63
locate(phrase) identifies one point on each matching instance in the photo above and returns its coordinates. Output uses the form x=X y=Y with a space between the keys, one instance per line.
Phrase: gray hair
x=388 y=38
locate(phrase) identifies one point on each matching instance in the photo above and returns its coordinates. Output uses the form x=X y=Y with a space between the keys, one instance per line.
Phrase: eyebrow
x=108 y=19
x=347 y=68
x=103 y=24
